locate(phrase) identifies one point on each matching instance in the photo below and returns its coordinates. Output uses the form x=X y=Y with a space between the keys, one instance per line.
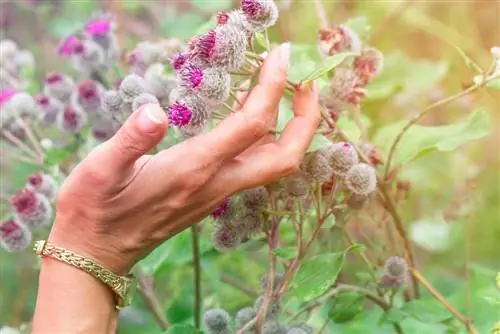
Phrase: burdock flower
x=43 y=184
x=59 y=86
x=143 y=99
x=361 y=179
x=317 y=167
x=71 y=120
x=217 y=321
x=111 y=102
x=88 y=96
x=347 y=87
x=104 y=129
x=261 y=14
x=31 y=208
x=188 y=111
x=222 y=47
x=342 y=157
x=224 y=210
x=300 y=328
x=158 y=83
x=50 y=108
x=132 y=86
x=273 y=310
x=23 y=105
x=222 y=18
x=225 y=238
x=210 y=84
x=98 y=27
x=250 y=223
x=101 y=31
x=88 y=56
x=178 y=60
x=255 y=198
x=369 y=64
x=296 y=185
x=67 y=45
x=14 y=235
x=244 y=316
x=395 y=273
x=338 y=39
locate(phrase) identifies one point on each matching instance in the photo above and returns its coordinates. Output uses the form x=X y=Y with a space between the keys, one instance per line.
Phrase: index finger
x=240 y=130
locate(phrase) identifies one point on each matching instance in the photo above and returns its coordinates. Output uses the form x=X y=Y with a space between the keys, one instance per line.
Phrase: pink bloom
x=6 y=94
x=222 y=18
x=252 y=8
x=179 y=114
x=71 y=120
x=14 y=236
x=191 y=76
x=98 y=27
x=53 y=78
x=35 y=180
x=87 y=90
x=222 y=209
x=24 y=202
x=67 y=46
x=205 y=46
x=179 y=60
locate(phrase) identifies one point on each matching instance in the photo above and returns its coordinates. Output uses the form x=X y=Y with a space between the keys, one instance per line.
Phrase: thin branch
x=31 y=136
x=197 y=275
x=22 y=146
x=226 y=278
x=439 y=297
x=147 y=293
x=320 y=11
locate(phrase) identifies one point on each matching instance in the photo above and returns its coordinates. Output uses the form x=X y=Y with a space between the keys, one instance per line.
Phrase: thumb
x=142 y=131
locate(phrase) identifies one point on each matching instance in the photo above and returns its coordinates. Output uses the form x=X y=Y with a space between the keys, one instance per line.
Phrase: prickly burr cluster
x=395 y=273
x=361 y=179
x=217 y=321
x=43 y=184
x=31 y=208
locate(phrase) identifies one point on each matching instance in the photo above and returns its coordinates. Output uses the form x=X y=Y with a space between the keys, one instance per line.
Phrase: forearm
x=72 y=301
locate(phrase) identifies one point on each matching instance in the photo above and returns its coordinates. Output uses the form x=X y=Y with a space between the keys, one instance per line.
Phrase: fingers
x=240 y=130
x=142 y=131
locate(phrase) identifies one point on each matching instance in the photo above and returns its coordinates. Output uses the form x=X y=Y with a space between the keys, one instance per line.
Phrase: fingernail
x=150 y=118
x=285 y=55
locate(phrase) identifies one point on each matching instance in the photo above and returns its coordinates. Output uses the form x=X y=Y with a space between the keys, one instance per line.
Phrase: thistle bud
x=296 y=185
x=59 y=86
x=338 y=39
x=361 y=179
x=273 y=309
x=347 y=87
x=261 y=14
x=255 y=198
x=225 y=238
x=157 y=82
x=210 y=84
x=251 y=223
x=273 y=327
x=222 y=47
x=244 y=316
x=88 y=97
x=396 y=266
x=178 y=60
x=104 y=129
x=100 y=30
x=342 y=157
x=222 y=18
x=300 y=328
x=50 y=108
x=24 y=105
x=224 y=210
x=88 y=56
x=316 y=166
x=217 y=321
x=14 y=236
x=43 y=184
x=189 y=112
x=31 y=208
x=264 y=281
x=143 y=99
x=369 y=64
x=67 y=45
x=131 y=87
x=71 y=120
x=111 y=102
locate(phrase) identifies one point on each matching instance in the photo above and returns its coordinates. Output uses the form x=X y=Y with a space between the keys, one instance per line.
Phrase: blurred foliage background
x=456 y=191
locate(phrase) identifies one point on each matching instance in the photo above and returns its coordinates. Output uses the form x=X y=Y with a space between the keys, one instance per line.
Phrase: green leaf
x=420 y=140
x=328 y=64
x=286 y=253
x=392 y=316
x=346 y=307
x=469 y=62
x=262 y=41
x=426 y=310
x=317 y=274
x=183 y=329
x=56 y=155
x=304 y=60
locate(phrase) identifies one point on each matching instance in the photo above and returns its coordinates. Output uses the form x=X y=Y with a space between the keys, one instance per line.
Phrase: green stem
x=197 y=275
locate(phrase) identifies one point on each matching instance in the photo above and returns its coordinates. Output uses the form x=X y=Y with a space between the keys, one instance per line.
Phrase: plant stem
x=197 y=275
x=235 y=98
x=147 y=292
x=439 y=297
x=31 y=136
x=320 y=10
x=22 y=146
x=239 y=285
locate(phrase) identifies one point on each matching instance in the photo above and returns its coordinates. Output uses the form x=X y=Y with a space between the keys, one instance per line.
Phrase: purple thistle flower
x=6 y=94
x=222 y=18
x=179 y=114
x=205 y=46
x=179 y=60
x=88 y=96
x=14 y=236
x=191 y=75
x=67 y=46
x=50 y=108
x=252 y=8
x=31 y=208
x=71 y=120
x=98 y=27
x=58 y=86
x=53 y=78
x=43 y=184
x=223 y=208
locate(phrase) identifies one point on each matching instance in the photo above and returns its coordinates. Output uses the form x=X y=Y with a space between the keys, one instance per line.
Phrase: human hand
x=119 y=203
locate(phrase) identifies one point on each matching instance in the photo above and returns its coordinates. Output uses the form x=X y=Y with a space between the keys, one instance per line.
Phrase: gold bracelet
x=122 y=286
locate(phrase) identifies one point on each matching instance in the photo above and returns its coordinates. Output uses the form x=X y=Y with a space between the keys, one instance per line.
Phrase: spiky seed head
x=88 y=56
x=224 y=210
x=225 y=238
x=59 y=86
x=369 y=64
x=251 y=223
x=50 y=108
x=296 y=185
x=212 y=85
x=71 y=120
x=361 y=179
x=88 y=97
x=189 y=112
x=178 y=60
x=347 y=87
x=338 y=39
x=157 y=82
x=260 y=14
x=264 y=281
x=191 y=76
x=244 y=316
x=14 y=235
x=222 y=18
x=104 y=129
x=357 y=202
x=273 y=327
x=222 y=47
x=300 y=328
x=31 y=208
x=316 y=166
x=132 y=86
x=43 y=184
x=274 y=309
x=216 y=320
x=111 y=102
x=392 y=282
x=396 y=266
x=143 y=99
x=24 y=105
x=343 y=156
x=66 y=46
x=255 y=198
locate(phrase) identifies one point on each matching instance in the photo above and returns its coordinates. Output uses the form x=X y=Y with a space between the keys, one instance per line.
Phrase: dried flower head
x=132 y=86
x=255 y=198
x=23 y=105
x=260 y=14
x=158 y=83
x=210 y=84
x=59 y=86
x=71 y=120
x=88 y=97
x=244 y=316
x=273 y=309
x=250 y=223
x=14 y=235
x=43 y=184
x=178 y=60
x=217 y=321
x=225 y=238
x=104 y=129
x=347 y=87
x=296 y=185
x=317 y=167
x=334 y=107
x=50 y=108
x=342 y=157
x=273 y=327
x=143 y=99
x=111 y=102
x=369 y=64
x=31 y=208
x=88 y=56
x=338 y=39
x=361 y=179
x=222 y=47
